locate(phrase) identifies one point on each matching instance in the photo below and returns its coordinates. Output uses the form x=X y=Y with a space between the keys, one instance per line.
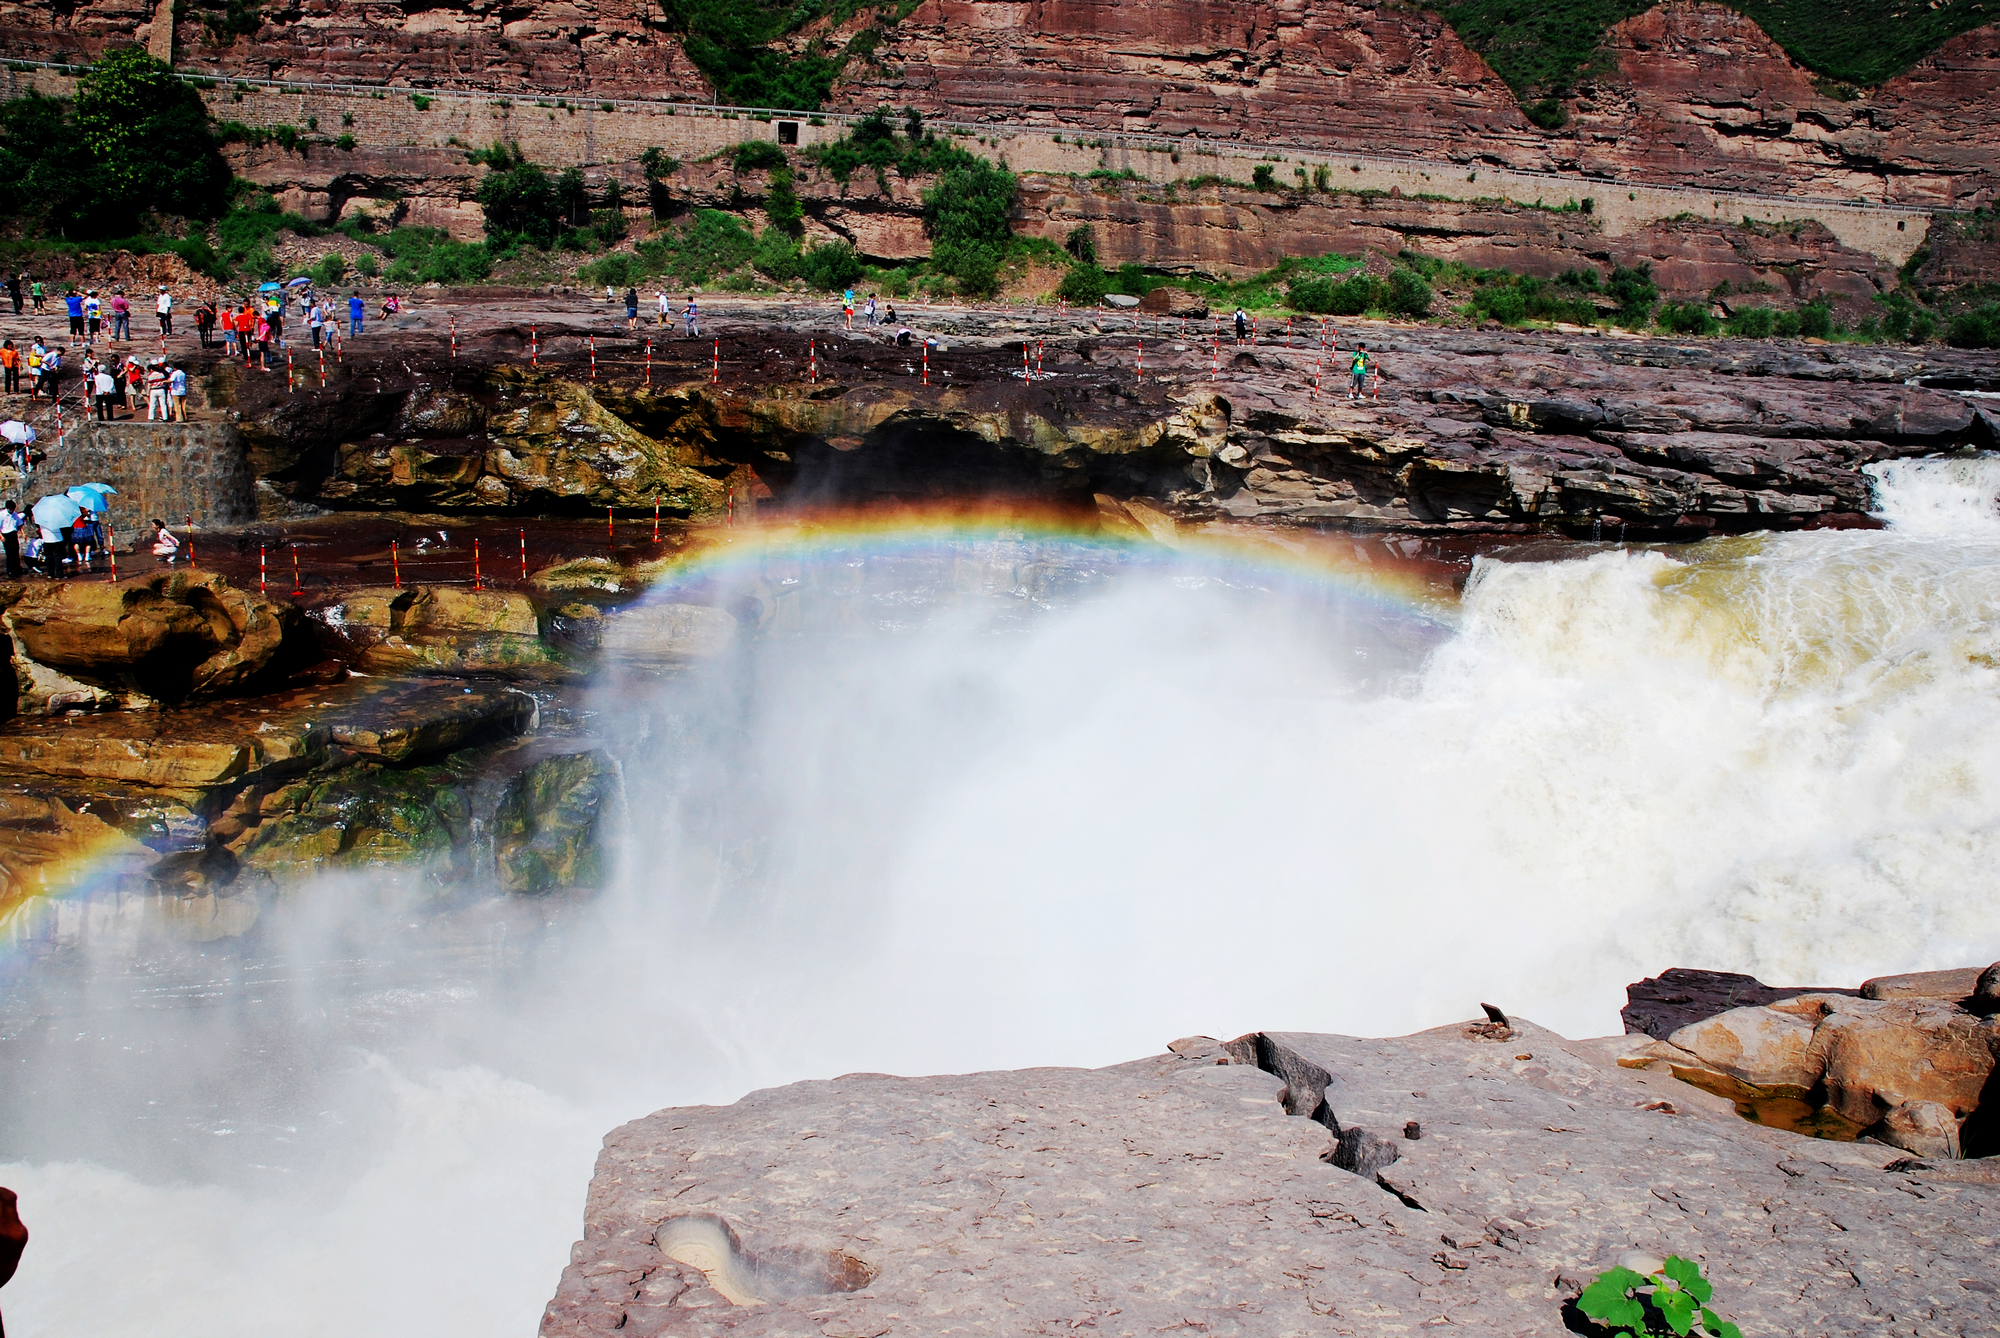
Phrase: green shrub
x=366 y=266
x=1082 y=244
x=429 y=255
x=345 y=143
x=1261 y=177
x=330 y=270
x=776 y=255
x=1408 y=294
x=1343 y=297
x=1816 y=319
x=965 y=216
x=1635 y=292
x=1977 y=328
x=1752 y=323
x=1084 y=285
x=1673 y=1300
x=1687 y=318
x=830 y=266
x=758 y=155
x=420 y=102
x=783 y=206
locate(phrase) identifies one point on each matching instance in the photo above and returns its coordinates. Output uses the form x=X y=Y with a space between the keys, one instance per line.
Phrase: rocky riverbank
x=1479 y=1174
x=1471 y=431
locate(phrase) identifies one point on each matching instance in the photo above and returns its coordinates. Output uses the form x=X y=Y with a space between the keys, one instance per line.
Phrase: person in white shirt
x=177 y=387
x=10 y=538
x=165 y=306
x=19 y=436
x=666 y=312
x=105 y=386
x=165 y=547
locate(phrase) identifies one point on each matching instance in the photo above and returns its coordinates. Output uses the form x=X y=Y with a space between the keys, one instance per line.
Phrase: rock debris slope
x=1474 y=1175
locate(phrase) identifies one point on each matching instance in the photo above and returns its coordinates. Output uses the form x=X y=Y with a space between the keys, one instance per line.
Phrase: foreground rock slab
x=1474 y=1175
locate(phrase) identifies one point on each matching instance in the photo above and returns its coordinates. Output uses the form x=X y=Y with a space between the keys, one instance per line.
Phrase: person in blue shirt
x=356 y=309
x=74 y=301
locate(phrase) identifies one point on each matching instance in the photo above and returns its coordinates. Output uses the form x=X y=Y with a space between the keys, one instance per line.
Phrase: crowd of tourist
x=100 y=370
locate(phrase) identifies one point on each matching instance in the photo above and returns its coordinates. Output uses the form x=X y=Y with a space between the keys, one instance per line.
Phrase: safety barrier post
x=322 y=367
x=396 y=563
x=454 y=336
x=715 y=370
x=610 y=527
x=534 y=347
x=477 y=584
x=1142 y=360
x=1215 y=351
x=927 y=362
x=593 y=357
x=298 y=586
x=263 y=568
x=1038 y=359
x=656 y=519
x=524 y=555
x=1025 y=374
x=729 y=509
x=649 y=362
x=812 y=360
x=288 y=371
x=190 y=542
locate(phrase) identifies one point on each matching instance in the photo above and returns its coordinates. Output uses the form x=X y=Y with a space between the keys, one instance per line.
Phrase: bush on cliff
x=1084 y=286
x=429 y=255
x=523 y=204
x=965 y=216
x=1403 y=293
x=135 y=144
x=1687 y=318
x=873 y=143
x=1977 y=328
x=830 y=266
x=730 y=41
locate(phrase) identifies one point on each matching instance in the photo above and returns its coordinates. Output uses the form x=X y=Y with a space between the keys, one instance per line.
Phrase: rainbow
x=54 y=857
x=1375 y=570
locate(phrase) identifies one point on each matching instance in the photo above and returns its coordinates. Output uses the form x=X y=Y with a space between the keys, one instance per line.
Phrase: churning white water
x=1177 y=802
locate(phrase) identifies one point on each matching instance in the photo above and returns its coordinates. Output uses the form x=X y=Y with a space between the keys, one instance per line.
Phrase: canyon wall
x=1694 y=94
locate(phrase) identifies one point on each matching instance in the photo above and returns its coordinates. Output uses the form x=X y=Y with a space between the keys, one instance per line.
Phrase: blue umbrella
x=299 y=282
x=56 y=512
x=270 y=287
x=91 y=498
x=104 y=488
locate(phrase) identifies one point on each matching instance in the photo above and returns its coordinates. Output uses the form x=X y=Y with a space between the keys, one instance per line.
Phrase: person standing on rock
x=156 y=393
x=50 y=373
x=356 y=309
x=74 y=301
x=177 y=393
x=106 y=387
x=35 y=294
x=204 y=323
x=10 y=367
x=666 y=311
x=10 y=538
x=121 y=316
x=36 y=352
x=55 y=551
x=1362 y=363
x=693 y=314
x=631 y=308
x=14 y=291
x=164 y=306
x=1242 y=326
x=93 y=317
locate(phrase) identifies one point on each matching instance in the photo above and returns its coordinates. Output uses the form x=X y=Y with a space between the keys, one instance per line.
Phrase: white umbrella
x=56 y=512
x=16 y=431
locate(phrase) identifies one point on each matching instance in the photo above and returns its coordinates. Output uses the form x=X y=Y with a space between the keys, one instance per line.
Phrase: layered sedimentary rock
x=1704 y=97
x=602 y=48
x=1475 y=1176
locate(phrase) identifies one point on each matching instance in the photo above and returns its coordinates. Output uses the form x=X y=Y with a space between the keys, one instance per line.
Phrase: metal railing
x=1191 y=143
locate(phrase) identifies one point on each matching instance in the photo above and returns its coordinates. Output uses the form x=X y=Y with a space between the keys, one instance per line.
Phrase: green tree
x=965 y=216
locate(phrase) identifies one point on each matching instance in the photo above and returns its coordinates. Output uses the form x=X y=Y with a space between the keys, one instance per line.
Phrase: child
x=165 y=547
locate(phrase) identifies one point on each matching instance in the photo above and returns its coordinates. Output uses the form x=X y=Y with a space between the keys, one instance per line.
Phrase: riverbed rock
x=1985 y=999
x=1181 y=1194
x=1954 y=985
x=446 y=630
x=365 y=816
x=1877 y=1056
x=549 y=825
x=402 y=722
x=1758 y=1045
x=168 y=636
x=1927 y=1128
x=1678 y=997
x=665 y=635
x=1176 y=303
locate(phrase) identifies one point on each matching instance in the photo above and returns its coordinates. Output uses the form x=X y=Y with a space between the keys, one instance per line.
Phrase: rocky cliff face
x=601 y=48
x=1700 y=95
x=1704 y=97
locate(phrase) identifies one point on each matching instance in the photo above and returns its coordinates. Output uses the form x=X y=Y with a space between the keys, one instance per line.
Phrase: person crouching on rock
x=165 y=547
x=13 y=1240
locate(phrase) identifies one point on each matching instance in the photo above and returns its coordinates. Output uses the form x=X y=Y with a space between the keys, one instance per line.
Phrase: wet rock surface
x=1502 y=1168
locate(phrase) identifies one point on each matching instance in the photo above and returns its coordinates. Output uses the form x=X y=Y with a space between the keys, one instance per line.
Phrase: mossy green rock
x=360 y=817
x=548 y=827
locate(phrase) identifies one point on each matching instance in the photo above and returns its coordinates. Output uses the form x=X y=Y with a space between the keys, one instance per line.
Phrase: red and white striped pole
x=656 y=520
x=524 y=555
x=190 y=542
x=534 y=347
x=1038 y=359
x=812 y=360
x=715 y=370
x=454 y=336
x=1215 y=350
x=111 y=549
x=593 y=357
x=1026 y=375
x=1316 y=363
x=610 y=527
x=322 y=367
x=263 y=568
x=288 y=371
x=1142 y=360
x=477 y=584
x=927 y=362
x=396 y=563
x=298 y=586
x=649 y=362
x=729 y=510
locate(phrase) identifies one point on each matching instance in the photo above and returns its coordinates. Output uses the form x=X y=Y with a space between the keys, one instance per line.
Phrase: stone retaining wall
x=609 y=133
